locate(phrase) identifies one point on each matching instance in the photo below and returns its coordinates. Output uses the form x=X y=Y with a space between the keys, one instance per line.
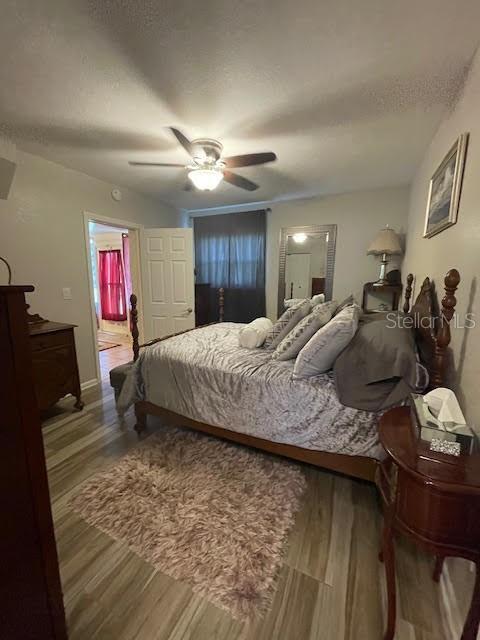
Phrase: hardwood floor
x=111 y=358
x=331 y=584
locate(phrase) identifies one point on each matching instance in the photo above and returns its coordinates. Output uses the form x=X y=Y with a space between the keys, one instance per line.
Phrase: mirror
x=307 y=257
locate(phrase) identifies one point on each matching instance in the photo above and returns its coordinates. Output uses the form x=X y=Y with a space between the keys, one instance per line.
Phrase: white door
x=168 y=277
x=298 y=283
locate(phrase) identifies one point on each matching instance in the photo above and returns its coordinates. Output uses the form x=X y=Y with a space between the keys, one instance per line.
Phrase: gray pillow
x=289 y=319
x=321 y=351
x=298 y=337
x=379 y=368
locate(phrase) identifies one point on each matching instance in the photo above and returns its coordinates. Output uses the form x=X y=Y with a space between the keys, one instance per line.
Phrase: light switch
x=67 y=293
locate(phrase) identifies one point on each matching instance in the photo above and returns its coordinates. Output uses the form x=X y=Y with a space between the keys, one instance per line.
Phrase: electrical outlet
x=67 y=293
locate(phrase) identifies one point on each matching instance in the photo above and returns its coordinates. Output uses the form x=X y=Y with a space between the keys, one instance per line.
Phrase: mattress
x=205 y=375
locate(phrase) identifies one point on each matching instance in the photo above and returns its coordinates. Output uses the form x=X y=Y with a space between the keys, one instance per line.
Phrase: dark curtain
x=230 y=253
x=112 y=285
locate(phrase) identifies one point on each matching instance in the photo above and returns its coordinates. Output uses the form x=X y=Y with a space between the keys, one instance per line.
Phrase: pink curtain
x=112 y=285
x=126 y=266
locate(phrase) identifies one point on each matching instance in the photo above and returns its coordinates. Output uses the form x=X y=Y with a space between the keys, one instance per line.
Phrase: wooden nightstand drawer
x=441 y=517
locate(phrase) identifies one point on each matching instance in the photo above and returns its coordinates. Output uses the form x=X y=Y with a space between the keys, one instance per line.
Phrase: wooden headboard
x=431 y=323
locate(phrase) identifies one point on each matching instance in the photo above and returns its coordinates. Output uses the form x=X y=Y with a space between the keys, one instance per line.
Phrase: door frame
x=308 y=284
x=135 y=233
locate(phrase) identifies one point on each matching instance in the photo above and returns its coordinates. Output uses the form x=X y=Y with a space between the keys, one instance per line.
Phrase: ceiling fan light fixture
x=206 y=179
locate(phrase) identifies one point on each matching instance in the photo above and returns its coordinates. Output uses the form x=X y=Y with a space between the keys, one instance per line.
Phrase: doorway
x=113 y=250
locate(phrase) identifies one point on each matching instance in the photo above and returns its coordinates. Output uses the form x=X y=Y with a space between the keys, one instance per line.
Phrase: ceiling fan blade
x=155 y=164
x=249 y=159
x=183 y=140
x=239 y=181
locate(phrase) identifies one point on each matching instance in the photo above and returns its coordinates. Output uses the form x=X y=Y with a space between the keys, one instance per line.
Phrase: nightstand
x=435 y=503
x=391 y=293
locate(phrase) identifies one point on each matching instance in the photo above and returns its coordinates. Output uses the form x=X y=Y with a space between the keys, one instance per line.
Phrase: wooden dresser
x=30 y=590
x=55 y=368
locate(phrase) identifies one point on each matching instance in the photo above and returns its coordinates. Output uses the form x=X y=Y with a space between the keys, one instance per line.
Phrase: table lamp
x=386 y=243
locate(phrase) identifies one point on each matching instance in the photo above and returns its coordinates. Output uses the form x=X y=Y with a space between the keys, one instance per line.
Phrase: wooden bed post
x=134 y=326
x=141 y=417
x=134 y=323
x=221 y=304
x=408 y=293
x=443 y=336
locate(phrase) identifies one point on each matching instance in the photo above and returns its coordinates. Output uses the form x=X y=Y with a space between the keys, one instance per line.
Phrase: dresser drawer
x=51 y=340
x=54 y=363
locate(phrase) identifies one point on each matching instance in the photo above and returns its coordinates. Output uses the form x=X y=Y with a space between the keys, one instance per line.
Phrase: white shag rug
x=210 y=513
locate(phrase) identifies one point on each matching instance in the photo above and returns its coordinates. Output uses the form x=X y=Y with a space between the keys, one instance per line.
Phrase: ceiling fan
x=207 y=167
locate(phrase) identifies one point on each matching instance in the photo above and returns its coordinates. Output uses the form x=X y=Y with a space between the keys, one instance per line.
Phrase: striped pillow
x=298 y=337
x=320 y=353
x=289 y=319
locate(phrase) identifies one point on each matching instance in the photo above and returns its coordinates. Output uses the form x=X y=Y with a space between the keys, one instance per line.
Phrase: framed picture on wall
x=445 y=188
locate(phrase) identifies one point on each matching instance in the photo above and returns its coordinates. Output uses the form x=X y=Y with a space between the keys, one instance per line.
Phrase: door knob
x=188 y=311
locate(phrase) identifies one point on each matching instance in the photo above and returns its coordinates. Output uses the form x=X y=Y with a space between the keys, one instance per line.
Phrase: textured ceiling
x=347 y=93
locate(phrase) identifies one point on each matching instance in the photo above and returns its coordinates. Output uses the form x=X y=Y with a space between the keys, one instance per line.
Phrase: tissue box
x=453 y=439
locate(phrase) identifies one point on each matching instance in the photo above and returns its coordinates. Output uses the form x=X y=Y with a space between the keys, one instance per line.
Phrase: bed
x=203 y=380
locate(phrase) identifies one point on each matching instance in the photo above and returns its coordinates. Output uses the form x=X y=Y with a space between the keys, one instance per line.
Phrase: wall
x=42 y=236
x=459 y=247
x=358 y=217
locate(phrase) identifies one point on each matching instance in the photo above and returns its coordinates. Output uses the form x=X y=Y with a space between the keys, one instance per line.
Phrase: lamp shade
x=386 y=241
x=206 y=179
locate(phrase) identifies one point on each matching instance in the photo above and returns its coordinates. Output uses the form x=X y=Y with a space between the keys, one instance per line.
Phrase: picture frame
x=445 y=188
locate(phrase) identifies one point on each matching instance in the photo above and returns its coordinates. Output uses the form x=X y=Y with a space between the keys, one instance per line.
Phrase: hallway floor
x=110 y=358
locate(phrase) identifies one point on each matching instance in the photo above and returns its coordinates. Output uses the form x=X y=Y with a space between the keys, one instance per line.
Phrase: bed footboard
x=141 y=415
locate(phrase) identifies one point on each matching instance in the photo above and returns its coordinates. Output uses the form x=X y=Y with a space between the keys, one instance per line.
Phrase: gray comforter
x=206 y=376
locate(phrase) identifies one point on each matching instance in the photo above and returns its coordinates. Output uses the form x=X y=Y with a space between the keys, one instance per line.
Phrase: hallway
x=110 y=358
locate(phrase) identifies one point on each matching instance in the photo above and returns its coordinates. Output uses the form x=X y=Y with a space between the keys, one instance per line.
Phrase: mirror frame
x=311 y=230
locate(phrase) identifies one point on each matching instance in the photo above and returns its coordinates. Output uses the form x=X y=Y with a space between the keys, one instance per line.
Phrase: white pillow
x=314 y=300
x=289 y=302
x=321 y=351
x=253 y=335
x=319 y=298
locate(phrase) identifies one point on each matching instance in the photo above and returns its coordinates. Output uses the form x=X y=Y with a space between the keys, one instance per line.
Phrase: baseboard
x=452 y=617
x=88 y=384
